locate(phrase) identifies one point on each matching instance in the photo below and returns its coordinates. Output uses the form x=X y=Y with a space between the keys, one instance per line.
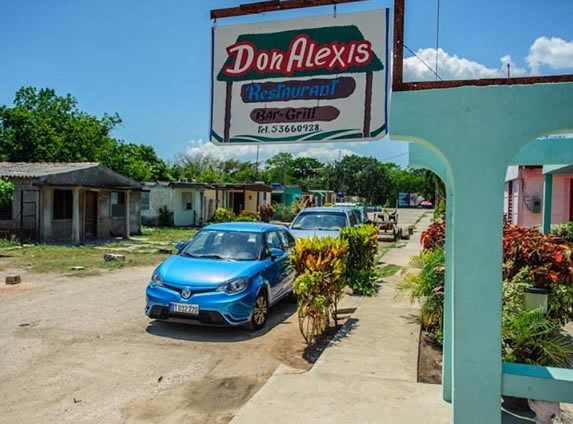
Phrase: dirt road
x=81 y=350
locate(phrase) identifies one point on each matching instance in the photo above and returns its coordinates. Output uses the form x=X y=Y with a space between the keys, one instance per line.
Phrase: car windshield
x=224 y=245
x=319 y=221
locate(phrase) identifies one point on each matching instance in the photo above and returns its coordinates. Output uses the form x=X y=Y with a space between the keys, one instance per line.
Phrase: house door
x=91 y=215
x=238 y=203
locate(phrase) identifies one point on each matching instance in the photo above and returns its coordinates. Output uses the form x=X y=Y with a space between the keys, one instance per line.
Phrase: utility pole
x=257 y=163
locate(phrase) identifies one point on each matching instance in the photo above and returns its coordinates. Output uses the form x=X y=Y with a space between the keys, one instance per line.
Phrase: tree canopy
x=42 y=126
x=45 y=127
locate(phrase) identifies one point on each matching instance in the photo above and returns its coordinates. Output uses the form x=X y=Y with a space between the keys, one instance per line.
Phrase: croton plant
x=549 y=259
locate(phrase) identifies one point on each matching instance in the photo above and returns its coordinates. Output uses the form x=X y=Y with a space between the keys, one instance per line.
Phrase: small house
x=69 y=202
x=185 y=203
x=524 y=195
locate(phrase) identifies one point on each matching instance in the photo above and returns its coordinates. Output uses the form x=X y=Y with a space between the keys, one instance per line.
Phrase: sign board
x=301 y=80
x=409 y=200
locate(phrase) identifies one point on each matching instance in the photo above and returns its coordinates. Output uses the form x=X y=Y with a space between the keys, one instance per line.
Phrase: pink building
x=524 y=194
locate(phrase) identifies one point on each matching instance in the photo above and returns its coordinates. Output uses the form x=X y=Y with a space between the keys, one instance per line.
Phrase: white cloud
x=452 y=67
x=324 y=152
x=384 y=150
x=515 y=71
x=553 y=52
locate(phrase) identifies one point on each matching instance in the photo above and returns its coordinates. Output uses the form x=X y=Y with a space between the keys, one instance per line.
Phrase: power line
x=437 y=36
x=393 y=157
x=424 y=63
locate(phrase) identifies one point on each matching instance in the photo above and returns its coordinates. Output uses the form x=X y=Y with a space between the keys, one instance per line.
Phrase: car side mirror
x=276 y=253
x=180 y=246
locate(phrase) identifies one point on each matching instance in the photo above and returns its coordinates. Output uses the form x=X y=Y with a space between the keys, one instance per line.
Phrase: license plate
x=184 y=308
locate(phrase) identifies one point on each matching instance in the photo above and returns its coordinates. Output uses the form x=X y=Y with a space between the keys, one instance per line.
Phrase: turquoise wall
x=475 y=133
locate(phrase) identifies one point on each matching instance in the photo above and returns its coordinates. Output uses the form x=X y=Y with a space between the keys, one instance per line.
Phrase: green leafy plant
x=563 y=231
x=165 y=218
x=247 y=216
x=427 y=287
x=6 y=191
x=319 y=268
x=362 y=247
x=530 y=337
x=440 y=211
x=223 y=215
x=283 y=212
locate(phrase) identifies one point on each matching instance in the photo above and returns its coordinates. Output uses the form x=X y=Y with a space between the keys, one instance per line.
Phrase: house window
x=145 y=200
x=186 y=203
x=117 y=204
x=63 y=208
x=6 y=211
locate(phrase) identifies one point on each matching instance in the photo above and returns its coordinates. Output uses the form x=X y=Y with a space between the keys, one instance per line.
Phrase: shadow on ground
x=279 y=314
x=332 y=335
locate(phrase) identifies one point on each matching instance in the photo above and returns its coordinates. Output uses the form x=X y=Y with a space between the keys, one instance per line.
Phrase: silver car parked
x=322 y=222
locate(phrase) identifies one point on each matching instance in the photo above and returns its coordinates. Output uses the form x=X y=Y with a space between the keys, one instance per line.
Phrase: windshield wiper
x=209 y=256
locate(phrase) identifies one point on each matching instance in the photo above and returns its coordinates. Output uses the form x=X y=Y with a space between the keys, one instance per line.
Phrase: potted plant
x=530 y=336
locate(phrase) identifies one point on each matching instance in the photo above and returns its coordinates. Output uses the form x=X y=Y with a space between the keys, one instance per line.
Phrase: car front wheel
x=260 y=312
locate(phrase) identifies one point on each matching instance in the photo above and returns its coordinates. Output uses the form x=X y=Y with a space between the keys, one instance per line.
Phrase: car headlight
x=156 y=279
x=235 y=285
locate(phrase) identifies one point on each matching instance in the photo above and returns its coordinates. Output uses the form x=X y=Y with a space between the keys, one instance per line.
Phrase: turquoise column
x=477 y=132
x=547 y=200
x=421 y=156
x=448 y=296
x=476 y=302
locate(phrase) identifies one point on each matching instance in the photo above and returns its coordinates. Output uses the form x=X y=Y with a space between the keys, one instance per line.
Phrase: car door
x=280 y=266
x=288 y=243
x=275 y=272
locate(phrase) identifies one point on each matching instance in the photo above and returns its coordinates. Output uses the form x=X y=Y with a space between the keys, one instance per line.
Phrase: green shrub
x=165 y=218
x=559 y=301
x=319 y=269
x=360 y=273
x=223 y=215
x=563 y=231
x=427 y=287
x=285 y=213
x=247 y=216
x=530 y=337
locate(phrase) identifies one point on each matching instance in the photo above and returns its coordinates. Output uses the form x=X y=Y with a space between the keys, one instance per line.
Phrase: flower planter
x=536 y=298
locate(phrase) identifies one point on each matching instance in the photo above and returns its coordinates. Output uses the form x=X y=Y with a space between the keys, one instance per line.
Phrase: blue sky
x=149 y=60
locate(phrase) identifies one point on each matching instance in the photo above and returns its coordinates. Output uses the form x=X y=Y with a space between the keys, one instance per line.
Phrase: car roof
x=326 y=209
x=346 y=204
x=257 y=227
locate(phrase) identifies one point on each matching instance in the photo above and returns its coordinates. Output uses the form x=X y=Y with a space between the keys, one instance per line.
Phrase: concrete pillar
x=547 y=200
x=126 y=229
x=47 y=213
x=448 y=296
x=476 y=300
x=76 y=215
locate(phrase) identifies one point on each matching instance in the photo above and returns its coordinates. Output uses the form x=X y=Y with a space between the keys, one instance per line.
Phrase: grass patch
x=385 y=247
x=388 y=270
x=150 y=248
x=166 y=234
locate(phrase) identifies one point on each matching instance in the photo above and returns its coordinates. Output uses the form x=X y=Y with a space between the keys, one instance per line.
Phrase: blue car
x=228 y=274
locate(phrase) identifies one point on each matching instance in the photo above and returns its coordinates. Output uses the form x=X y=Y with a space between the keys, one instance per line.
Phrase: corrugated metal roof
x=85 y=174
x=41 y=169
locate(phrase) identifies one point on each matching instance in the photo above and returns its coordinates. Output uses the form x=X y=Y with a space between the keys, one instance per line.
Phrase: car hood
x=204 y=273
x=315 y=233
